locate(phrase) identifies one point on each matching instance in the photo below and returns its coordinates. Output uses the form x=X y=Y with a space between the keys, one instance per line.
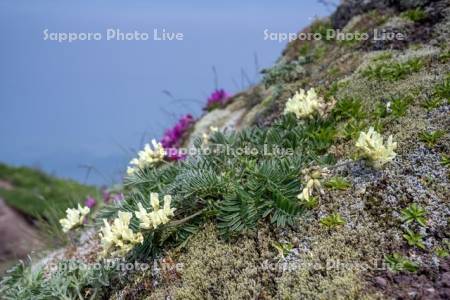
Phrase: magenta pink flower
x=118 y=197
x=173 y=137
x=217 y=99
x=90 y=202
x=106 y=195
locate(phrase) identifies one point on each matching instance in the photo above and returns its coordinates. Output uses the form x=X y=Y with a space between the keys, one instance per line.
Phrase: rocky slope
x=17 y=237
x=372 y=205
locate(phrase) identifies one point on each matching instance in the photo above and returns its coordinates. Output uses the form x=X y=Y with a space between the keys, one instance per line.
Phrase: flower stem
x=178 y=222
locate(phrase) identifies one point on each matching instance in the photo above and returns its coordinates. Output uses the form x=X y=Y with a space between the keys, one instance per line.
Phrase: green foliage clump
x=71 y=280
x=396 y=107
x=415 y=15
x=400 y=105
x=284 y=73
x=322 y=28
x=398 y=263
x=432 y=103
x=282 y=248
x=238 y=180
x=414 y=213
x=332 y=90
x=334 y=71
x=445 y=160
x=440 y=95
x=319 y=52
x=311 y=202
x=348 y=108
x=353 y=40
x=443 y=251
x=351 y=112
x=304 y=50
x=414 y=239
x=33 y=192
x=308 y=53
x=442 y=90
x=383 y=56
x=338 y=183
x=431 y=138
x=332 y=221
x=444 y=56
x=393 y=71
x=353 y=128
x=322 y=137
x=440 y=252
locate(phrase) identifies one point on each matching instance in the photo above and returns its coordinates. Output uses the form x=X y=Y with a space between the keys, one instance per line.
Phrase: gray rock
x=445 y=279
x=350 y=8
x=380 y=282
x=17 y=237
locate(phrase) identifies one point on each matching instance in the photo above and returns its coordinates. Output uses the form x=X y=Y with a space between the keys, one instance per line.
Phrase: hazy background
x=92 y=103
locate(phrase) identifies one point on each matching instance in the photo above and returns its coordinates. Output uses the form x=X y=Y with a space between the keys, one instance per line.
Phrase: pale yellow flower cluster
x=305 y=104
x=158 y=216
x=312 y=177
x=74 y=217
x=205 y=135
x=119 y=239
x=373 y=148
x=147 y=157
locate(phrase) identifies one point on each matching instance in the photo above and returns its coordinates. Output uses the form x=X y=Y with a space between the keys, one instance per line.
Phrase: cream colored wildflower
x=169 y=211
x=205 y=136
x=304 y=104
x=107 y=237
x=373 y=148
x=158 y=216
x=119 y=239
x=147 y=157
x=312 y=177
x=154 y=201
x=130 y=170
x=74 y=217
x=143 y=217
